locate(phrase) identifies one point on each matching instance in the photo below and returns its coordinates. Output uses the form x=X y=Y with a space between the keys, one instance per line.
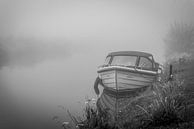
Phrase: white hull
x=122 y=78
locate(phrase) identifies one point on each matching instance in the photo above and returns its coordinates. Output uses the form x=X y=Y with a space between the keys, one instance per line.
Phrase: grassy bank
x=166 y=108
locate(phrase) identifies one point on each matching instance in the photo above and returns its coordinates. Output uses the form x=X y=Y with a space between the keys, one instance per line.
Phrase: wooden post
x=170 y=73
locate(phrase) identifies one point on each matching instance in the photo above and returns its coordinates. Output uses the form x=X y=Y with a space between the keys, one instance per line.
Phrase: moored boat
x=128 y=70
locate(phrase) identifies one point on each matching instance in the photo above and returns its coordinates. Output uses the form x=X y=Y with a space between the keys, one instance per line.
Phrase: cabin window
x=124 y=60
x=107 y=60
x=145 y=63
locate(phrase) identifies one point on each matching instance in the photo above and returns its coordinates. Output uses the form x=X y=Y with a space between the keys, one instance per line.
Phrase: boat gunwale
x=122 y=68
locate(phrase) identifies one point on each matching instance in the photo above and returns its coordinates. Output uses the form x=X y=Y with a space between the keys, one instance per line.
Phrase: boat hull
x=121 y=78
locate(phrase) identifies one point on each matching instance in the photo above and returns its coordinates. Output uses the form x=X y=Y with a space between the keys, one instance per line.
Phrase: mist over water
x=50 y=51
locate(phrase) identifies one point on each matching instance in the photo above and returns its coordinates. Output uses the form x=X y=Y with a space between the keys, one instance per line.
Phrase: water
x=30 y=96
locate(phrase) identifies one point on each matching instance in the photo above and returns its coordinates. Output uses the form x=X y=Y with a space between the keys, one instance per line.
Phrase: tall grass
x=92 y=118
x=169 y=106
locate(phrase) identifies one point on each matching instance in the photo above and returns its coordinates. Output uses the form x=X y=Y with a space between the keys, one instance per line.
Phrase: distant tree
x=179 y=40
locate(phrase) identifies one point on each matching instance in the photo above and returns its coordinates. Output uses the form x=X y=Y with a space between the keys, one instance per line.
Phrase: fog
x=179 y=41
x=50 y=50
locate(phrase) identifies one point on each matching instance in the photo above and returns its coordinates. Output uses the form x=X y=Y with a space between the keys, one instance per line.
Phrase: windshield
x=124 y=60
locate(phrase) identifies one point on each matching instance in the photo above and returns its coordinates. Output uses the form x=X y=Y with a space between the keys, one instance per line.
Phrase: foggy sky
x=50 y=49
x=91 y=25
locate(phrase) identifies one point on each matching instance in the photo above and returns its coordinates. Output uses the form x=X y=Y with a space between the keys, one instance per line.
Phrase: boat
x=128 y=71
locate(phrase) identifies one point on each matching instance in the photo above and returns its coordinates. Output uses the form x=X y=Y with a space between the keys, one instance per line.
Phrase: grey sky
x=50 y=49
